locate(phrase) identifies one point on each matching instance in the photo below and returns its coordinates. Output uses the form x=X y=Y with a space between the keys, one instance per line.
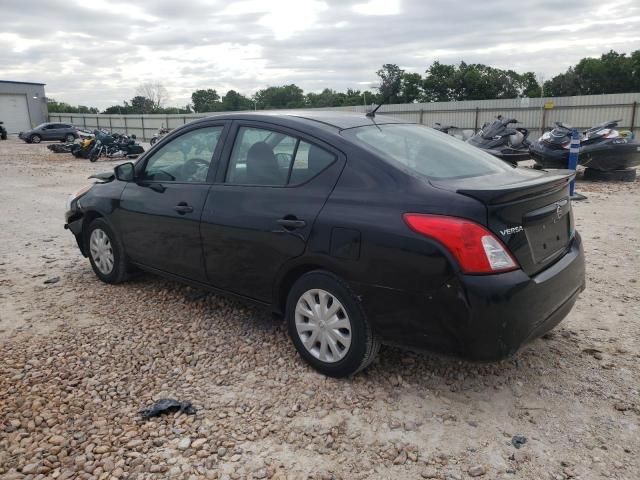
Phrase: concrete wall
x=581 y=112
x=37 y=106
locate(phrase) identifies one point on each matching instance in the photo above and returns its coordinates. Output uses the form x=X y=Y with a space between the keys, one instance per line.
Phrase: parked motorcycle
x=157 y=136
x=64 y=148
x=456 y=132
x=602 y=148
x=503 y=141
x=83 y=148
x=114 y=145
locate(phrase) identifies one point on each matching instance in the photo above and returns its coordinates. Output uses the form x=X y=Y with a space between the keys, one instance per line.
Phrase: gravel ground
x=81 y=358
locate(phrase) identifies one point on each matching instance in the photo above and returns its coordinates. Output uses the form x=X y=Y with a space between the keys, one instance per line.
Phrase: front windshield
x=426 y=151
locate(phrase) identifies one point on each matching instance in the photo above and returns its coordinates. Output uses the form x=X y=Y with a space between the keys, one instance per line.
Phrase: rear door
x=159 y=214
x=261 y=210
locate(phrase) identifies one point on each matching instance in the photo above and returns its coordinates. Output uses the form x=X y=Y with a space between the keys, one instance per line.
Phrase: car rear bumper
x=481 y=318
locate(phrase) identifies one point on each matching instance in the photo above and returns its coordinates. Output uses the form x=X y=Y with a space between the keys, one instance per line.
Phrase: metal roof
x=21 y=83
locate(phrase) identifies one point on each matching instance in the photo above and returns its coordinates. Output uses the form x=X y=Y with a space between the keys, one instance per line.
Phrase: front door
x=49 y=131
x=261 y=212
x=159 y=214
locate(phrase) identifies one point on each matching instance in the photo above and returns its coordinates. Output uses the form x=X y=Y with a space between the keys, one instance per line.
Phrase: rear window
x=428 y=152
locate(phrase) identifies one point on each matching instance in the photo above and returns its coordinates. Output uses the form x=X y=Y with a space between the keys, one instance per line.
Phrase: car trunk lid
x=528 y=210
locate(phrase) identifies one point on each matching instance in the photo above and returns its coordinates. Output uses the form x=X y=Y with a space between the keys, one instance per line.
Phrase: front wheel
x=94 y=154
x=105 y=252
x=35 y=139
x=153 y=140
x=328 y=325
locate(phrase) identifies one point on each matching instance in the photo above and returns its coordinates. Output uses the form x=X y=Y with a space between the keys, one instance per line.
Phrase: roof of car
x=331 y=118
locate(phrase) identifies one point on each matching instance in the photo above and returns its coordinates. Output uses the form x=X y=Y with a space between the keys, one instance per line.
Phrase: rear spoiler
x=552 y=181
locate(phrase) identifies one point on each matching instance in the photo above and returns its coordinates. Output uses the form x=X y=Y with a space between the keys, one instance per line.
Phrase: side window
x=263 y=157
x=310 y=160
x=184 y=159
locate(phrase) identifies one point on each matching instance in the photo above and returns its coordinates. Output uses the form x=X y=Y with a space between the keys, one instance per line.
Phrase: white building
x=23 y=105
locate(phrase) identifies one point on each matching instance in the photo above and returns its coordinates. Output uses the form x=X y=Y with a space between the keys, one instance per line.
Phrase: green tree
x=140 y=104
x=438 y=83
x=236 y=101
x=475 y=82
x=410 y=88
x=390 y=82
x=205 y=101
x=286 y=96
x=62 y=107
x=611 y=73
x=326 y=98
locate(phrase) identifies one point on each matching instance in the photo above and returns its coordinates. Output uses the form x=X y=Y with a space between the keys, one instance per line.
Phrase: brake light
x=476 y=249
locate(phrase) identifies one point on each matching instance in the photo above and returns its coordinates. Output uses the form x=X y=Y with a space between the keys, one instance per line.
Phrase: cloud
x=96 y=53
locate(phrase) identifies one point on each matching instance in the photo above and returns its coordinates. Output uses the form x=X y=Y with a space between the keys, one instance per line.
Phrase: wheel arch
x=290 y=274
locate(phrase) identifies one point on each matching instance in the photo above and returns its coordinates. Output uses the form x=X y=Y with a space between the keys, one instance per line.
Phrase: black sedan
x=358 y=230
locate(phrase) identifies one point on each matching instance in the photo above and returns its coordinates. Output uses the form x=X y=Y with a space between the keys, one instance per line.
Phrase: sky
x=96 y=52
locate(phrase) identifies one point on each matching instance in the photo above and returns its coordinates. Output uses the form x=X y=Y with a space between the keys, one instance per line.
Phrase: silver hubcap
x=101 y=251
x=323 y=325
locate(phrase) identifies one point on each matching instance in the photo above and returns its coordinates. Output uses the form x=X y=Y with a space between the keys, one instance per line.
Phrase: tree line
x=611 y=73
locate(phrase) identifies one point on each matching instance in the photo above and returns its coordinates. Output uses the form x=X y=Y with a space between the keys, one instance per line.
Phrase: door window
x=264 y=157
x=309 y=161
x=184 y=159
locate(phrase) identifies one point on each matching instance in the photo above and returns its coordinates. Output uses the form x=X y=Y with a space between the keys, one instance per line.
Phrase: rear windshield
x=426 y=151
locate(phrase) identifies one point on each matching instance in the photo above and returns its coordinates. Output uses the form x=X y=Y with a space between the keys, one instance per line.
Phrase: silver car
x=64 y=132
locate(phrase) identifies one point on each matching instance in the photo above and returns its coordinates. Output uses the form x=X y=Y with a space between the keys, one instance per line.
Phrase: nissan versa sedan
x=357 y=230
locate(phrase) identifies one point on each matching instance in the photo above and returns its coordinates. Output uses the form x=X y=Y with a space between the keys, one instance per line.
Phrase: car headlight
x=77 y=195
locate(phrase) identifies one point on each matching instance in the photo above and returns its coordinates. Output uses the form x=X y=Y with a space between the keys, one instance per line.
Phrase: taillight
x=476 y=249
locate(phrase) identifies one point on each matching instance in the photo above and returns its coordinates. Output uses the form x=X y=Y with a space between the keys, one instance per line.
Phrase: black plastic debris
x=518 y=440
x=166 y=405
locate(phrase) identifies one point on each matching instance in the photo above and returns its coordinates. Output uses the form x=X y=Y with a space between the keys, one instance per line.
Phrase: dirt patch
x=80 y=358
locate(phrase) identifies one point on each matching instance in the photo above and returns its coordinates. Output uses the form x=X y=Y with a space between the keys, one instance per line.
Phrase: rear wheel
x=328 y=325
x=69 y=138
x=105 y=252
x=35 y=139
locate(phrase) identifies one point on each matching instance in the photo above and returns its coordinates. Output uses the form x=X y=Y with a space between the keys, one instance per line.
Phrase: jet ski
x=602 y=147
x=456 y=132
x=503 y=141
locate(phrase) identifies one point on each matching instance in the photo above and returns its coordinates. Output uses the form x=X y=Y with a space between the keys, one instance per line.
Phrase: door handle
x=292 y=223
x=183 y=207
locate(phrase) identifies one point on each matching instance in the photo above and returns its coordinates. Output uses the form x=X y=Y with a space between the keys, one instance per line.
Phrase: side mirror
x=125 y=172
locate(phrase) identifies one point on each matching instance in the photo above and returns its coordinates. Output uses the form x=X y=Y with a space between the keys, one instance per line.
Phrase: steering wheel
x=193 y=166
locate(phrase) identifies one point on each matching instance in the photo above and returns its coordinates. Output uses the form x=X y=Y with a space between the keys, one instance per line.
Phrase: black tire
x=3 y=136
x=35 y=138
x=93 y=155
x=626 y=175
x=69 y=138
x=153 y=140
x=119 y=271
x=364 y=343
